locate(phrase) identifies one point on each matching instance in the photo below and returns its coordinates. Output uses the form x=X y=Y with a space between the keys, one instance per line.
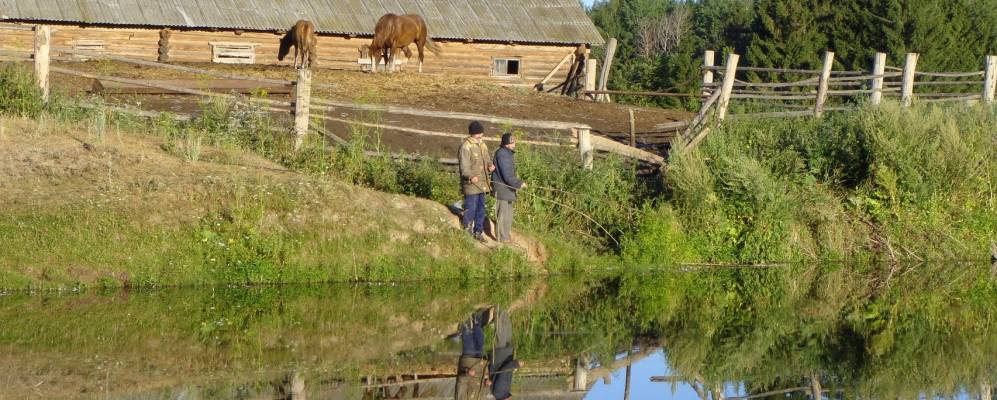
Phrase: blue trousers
x=474 y=212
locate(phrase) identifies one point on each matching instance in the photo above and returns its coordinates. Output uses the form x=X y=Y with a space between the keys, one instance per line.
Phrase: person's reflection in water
x=503 y=362
x=471 y=364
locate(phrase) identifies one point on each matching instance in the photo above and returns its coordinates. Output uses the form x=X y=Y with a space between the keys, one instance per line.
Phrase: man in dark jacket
x=506 y=183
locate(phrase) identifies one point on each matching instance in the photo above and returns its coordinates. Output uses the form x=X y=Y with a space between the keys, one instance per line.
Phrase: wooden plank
x=192 y=70
x=728 y=86
x=878 y=69
x=629 y=93
x=950 y=74
x=777 y=114
x=825 y=74
x=554 y=71
x=907 y=91
x=162 y=86
x=557 y=125
x=772 y=97
x=213 y=85
x=990 y=80
x=413 y=130
x=607 y=64
x=7 y=27
x=612 y=146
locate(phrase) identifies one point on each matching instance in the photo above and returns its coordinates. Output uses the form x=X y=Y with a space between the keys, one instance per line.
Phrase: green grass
x=884 y=183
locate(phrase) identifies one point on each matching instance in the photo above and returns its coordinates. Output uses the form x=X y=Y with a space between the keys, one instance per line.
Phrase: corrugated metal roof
x=552 y=21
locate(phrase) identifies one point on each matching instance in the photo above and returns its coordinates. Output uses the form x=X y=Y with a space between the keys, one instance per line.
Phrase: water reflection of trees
x=861 y=331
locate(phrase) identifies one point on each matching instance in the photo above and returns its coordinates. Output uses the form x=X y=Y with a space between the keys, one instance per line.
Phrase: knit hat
x=475 y=128
x=506 y=138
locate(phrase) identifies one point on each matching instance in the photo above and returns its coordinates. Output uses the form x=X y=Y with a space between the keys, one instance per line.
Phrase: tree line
x=661 y=42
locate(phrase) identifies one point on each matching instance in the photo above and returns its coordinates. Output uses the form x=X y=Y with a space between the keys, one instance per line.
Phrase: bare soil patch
x=409 y=89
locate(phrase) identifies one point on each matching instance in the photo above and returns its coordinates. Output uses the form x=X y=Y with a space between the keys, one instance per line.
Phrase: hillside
x=117 y=209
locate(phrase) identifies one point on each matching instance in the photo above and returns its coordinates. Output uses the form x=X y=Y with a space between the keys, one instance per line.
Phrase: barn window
x=87 y=45
x=506 y=66
x=233 y=53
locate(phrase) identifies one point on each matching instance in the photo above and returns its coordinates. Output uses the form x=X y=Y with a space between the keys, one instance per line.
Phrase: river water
x=922 y=331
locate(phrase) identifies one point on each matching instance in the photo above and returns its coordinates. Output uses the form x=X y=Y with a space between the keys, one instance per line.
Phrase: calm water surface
x=856 y=332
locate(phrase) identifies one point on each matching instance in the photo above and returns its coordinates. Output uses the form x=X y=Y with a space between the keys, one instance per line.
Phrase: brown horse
x=395 y=32
x=302 y=37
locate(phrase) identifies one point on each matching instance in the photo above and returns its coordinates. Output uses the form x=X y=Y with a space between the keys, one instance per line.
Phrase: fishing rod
x=603 y=228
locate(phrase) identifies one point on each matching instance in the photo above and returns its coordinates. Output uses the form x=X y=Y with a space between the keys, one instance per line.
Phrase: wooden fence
x=305 y=107
x=810 y=95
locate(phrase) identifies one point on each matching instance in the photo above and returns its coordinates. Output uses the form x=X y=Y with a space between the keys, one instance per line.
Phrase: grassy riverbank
x=96 y=197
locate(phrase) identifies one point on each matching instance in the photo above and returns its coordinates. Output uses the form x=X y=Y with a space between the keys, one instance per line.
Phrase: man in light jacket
x=475 y=167
x=506 y=183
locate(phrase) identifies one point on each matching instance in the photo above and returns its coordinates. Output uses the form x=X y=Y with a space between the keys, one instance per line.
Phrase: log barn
x=512 y=41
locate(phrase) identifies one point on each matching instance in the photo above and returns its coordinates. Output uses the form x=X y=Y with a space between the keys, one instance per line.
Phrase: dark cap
x=506 y=138
x=475 y=128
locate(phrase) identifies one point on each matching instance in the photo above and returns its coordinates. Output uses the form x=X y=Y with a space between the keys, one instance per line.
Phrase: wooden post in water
x=607 y=63
x=43 y=43
x=907 y=88
x=633 y=128
x=302 y=104
x=825 y=74
x=626 y=385
x=709 y=58
x=728 y=86
x=990 y=80
x=584 y=136
x=815 y=389
x=986 y=391
x=580 y=381
x=878 y=69
x=591 y=70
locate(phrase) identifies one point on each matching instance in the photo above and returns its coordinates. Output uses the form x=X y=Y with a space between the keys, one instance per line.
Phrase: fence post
x=986 y=391
x=633 y=128
x=878 y=69
x=709 y=58
x=815 y=389
x=607 y=63
x=825 y=74
x=907 y=88
x=591 y=70
x=584 y=136
x=990 y=80
x=43 y=41
x=302 y=103
x=728 y=86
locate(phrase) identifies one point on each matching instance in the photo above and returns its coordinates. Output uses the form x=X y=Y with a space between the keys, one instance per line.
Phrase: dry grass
x=116 y=209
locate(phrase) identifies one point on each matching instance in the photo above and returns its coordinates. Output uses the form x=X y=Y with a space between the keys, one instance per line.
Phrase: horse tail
x=434 y=47
x=285 y=45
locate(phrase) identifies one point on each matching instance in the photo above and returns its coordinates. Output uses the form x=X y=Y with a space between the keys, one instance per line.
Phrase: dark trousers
x=472 y=337
x=474 y=212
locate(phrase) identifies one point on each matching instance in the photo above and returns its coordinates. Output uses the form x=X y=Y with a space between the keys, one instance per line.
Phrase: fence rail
x=856 y=85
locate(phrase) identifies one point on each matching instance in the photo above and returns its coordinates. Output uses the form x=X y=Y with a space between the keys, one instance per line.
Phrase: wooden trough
x=209 y=85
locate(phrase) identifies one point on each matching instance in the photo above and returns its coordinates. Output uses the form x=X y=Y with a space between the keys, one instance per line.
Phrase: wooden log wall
x=459 y=58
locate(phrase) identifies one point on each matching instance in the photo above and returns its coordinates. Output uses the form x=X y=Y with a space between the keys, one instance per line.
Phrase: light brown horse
x=395 y=32
x=302 y=37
